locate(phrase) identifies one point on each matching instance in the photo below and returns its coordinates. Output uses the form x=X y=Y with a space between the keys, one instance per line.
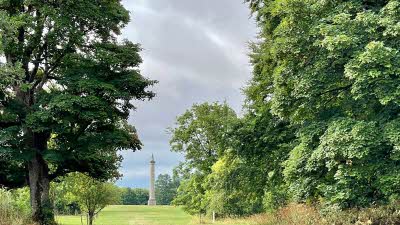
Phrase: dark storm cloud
x=197 y=50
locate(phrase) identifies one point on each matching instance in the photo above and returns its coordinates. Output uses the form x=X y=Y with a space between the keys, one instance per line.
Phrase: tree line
x=71 y=194
x=321 y=120
x=80 y=194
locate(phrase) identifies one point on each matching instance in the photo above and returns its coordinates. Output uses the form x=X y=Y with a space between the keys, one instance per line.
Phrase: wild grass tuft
x=11 y=211
x=299 y=214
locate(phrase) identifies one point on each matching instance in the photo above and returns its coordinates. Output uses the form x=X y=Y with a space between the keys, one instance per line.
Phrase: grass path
x=135 y=215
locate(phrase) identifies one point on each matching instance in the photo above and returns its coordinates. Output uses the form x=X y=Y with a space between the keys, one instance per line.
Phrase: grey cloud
x=197 y=50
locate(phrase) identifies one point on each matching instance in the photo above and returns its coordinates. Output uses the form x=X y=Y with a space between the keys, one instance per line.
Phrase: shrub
x=14 y=207
x=275 y=198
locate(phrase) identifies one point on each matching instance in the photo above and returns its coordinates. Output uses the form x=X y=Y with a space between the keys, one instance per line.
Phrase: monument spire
x=152 y=195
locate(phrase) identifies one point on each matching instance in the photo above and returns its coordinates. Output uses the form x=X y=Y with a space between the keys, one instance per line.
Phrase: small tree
x=92 y=195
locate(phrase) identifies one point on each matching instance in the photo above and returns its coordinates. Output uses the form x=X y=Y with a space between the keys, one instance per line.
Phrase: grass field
x=135 y=215
x=140 y=215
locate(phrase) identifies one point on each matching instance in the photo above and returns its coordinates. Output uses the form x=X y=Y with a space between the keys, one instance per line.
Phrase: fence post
x=213 y=219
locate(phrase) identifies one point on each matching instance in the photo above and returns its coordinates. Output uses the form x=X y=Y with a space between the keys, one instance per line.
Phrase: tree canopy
x=91 y=195
x=201 y=135
x=66 y=87
x=166 y=188
x=332 y=68
x=321 y=117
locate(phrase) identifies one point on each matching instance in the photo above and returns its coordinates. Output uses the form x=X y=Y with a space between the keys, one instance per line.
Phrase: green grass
x=135 y=215
x=144 y=215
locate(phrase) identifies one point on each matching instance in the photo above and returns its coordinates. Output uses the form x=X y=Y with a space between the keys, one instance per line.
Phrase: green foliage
x=200 y=133
x=166 y=188
x=236 y=183
x=91 y=195
x=65 y=92
x=308 y=215
x=321 y=120
x=387 y=214
x=63 y=199
x=230 y=188
x=190 y=195
x=275 y=197
x=21 y=201
x=14 y=207
x=262 y=142
x=330 y=69
x=134 y=196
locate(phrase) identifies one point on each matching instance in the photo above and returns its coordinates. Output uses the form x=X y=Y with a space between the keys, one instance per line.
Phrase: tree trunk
x=39 y=184
x=91 y=217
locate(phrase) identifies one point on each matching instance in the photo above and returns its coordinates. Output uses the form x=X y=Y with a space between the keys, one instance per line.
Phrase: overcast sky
x=197 y=50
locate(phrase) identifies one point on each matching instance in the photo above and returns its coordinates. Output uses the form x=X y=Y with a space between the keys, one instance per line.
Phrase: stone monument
x=152 y=194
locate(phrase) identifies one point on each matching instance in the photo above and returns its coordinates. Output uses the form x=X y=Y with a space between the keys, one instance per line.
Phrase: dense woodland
x=321 y=121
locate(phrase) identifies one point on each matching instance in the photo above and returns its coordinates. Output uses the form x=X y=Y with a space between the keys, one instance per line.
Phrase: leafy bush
x=230 y=188
x=14 y=207
x=275 y=198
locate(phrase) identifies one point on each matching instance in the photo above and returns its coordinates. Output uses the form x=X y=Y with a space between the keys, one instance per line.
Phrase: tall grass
x=298 y=214
x=13 y=209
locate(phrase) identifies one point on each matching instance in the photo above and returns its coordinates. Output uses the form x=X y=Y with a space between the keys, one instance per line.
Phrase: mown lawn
x=143 y=215
x=134 y=215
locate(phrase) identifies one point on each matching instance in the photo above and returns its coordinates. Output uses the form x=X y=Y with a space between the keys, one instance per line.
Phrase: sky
x=198 y=51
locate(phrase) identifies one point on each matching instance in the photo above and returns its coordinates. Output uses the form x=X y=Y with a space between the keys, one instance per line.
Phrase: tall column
x=152 y=194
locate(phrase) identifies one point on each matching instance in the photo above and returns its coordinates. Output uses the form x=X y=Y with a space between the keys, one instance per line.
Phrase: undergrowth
x=299 y=214
x=14 y=208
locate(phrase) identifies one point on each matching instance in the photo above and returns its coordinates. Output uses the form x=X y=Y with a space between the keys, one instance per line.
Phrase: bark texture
x=39 y=183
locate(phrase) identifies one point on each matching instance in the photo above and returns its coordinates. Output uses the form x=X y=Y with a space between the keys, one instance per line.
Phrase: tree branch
x=4 y=124
x=337 y=89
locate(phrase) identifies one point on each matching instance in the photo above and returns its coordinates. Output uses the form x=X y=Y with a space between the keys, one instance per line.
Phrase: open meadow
x=137 y=215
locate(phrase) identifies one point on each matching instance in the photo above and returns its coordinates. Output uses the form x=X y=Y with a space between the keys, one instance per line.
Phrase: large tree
x=333 y=68
x=201 y=134
x=66 y=86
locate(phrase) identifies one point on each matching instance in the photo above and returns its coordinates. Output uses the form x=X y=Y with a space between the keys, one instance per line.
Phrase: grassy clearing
x=293 y=214
x=135 y=215
x=142 y=215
